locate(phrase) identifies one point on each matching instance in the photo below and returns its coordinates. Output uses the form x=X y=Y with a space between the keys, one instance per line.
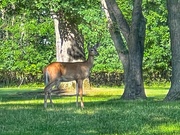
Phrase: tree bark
x=131 y=50
x=58 y=39
x=69 y=41
x=173 y=22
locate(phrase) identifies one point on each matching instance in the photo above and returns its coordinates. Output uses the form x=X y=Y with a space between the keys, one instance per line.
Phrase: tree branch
x=121 y=21
x=136 y=15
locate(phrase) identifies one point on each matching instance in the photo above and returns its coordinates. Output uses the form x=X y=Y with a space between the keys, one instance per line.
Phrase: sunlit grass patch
x=158 y=93
x=22 y=112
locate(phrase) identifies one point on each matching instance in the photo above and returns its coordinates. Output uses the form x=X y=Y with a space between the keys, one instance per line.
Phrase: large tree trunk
x=69 y=41
x=174 y=26
x=131 y=52
x=134 y=87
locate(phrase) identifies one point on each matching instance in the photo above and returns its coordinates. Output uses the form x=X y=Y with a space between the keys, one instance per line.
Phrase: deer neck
x=90 y=60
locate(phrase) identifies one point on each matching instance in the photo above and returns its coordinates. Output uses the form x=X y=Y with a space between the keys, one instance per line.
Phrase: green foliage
x=94 y=29
x=27 y=45
x=107 y=61
x=27 y=39
x=126 y=7
x=157 y=45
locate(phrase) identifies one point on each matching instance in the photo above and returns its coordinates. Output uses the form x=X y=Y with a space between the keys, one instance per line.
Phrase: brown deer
x=57 y=72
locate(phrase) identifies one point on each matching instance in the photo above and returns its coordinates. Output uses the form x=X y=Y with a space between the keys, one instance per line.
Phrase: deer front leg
x=80 y=92
x=77 y=93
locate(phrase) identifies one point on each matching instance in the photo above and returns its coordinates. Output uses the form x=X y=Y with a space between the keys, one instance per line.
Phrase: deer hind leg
x=45 y=99
x=47 y=92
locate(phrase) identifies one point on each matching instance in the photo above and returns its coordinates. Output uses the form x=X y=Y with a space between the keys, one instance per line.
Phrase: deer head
x=93 y=50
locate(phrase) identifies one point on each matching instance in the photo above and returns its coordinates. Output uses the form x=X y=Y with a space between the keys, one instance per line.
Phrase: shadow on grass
x=112 y=116
x=19 y=95
x=100 y=117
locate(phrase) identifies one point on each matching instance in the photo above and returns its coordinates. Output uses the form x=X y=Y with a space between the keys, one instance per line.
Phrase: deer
x=57 y=72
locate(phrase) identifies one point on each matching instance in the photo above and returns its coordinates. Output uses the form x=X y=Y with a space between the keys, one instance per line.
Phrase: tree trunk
x=173 y=22
x=58 y=39
x=69 y=41
x=131 y=51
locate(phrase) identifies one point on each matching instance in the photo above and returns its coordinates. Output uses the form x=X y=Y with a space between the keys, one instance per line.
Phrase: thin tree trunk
x=116 y=36
x=173 y=22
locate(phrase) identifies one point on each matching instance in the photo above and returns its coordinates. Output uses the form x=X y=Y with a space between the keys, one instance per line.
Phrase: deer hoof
x=82 y=105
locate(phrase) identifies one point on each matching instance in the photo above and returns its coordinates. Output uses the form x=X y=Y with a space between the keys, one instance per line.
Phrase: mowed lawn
x=22 y=112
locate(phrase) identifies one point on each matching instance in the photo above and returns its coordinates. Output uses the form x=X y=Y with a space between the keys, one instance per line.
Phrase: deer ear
x=97 y=45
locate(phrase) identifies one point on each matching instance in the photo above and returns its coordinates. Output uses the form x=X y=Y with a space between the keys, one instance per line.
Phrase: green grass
x=22 y=112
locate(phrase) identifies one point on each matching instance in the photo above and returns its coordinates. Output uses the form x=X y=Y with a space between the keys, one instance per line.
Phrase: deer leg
x=80 y=87
x=47 y=92
x=77 y=93
x=45 y=99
